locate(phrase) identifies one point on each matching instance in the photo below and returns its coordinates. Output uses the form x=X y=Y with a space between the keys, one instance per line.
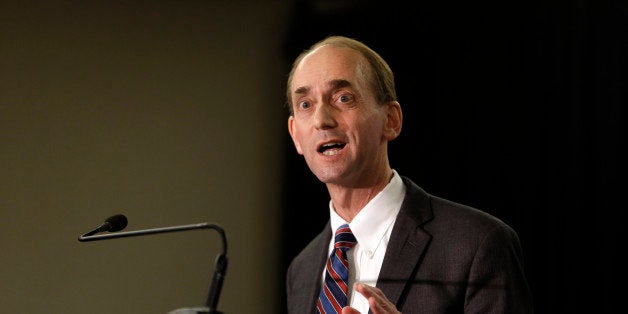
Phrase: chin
x=329 y=175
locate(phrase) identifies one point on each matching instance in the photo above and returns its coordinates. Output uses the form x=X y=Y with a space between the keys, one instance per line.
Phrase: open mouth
x=329 y=149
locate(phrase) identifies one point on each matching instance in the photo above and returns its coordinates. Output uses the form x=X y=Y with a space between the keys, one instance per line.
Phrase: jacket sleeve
x=496 y=279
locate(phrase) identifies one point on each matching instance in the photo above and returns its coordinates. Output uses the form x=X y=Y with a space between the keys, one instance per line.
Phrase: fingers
x=378 y=302
x=349 y=310
x=368 y=291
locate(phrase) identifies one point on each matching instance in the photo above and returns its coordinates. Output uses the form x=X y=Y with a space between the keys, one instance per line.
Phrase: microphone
x=111 y=224
x=119 y=222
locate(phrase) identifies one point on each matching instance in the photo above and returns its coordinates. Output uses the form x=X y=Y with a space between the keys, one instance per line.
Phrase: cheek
x=296 y=138
x=369 y=133
x=373 y=127
x=295 y=135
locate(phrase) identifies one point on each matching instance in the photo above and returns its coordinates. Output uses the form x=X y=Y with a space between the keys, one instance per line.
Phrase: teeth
x=330 y=152
x=332 y=148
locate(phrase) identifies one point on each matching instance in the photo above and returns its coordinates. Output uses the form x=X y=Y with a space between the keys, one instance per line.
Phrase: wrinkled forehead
x=326 y=63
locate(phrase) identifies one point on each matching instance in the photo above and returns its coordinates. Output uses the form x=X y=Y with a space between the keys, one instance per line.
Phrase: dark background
x=516 y=108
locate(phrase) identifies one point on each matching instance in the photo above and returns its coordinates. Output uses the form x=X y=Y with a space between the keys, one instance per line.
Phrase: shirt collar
x=370 y=225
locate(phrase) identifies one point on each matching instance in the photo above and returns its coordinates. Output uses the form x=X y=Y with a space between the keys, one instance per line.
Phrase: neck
x=349 y=201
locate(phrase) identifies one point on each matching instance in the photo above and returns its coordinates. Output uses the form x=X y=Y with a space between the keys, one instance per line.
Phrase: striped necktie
x=333 y=296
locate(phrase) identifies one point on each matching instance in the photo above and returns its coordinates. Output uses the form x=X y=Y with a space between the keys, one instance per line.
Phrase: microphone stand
x=220 y=266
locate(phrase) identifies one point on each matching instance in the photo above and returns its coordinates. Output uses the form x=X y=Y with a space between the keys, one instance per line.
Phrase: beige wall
x=166 y=111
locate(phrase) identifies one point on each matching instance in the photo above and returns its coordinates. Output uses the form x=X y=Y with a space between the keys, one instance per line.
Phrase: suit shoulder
x=438 y=213
x=313 y=249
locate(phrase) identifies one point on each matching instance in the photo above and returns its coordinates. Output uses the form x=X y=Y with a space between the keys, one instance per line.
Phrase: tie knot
x=344 y=238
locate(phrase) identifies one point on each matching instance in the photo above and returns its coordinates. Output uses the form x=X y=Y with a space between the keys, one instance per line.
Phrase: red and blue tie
x=333 y=296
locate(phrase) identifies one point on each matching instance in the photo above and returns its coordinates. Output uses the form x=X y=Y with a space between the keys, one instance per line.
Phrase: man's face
x=337 y=124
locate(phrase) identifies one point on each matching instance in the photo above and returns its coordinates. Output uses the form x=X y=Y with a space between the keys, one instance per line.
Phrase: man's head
x=344 y=112
x=379 y=74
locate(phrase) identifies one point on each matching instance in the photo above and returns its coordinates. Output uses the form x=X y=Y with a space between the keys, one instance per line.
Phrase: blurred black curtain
x=516 y=108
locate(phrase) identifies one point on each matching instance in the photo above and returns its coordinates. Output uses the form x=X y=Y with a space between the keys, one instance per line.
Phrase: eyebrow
x=334 y=84
x=339 y=83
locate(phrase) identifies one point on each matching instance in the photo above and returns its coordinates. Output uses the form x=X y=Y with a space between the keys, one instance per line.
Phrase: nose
x=324 y=116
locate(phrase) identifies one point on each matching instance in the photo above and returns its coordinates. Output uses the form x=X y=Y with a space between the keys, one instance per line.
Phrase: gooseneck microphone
x=119 y=222
x=111 y=224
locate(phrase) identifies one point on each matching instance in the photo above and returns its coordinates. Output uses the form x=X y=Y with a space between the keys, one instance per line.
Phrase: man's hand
x=378 y=303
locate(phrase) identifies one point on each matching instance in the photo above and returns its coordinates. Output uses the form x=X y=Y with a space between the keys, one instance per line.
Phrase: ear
x=295 y=140
x=394 y=120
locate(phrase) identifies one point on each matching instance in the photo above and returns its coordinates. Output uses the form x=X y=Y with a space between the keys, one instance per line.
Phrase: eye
x=302 y=105
x=345 y=99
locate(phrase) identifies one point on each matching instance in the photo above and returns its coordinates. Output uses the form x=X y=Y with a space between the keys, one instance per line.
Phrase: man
x=415 y=252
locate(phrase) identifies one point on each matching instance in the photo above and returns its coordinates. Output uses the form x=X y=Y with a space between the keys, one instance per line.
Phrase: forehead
x=325 y=65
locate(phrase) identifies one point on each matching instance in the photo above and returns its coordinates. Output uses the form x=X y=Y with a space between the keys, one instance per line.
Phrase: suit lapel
x=314 y=270
x=407 y=243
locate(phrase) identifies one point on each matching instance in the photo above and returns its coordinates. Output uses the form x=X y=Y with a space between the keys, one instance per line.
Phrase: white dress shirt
x=371 y=227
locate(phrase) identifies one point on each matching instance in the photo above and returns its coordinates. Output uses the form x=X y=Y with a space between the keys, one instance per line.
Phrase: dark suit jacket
x=442 y=257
